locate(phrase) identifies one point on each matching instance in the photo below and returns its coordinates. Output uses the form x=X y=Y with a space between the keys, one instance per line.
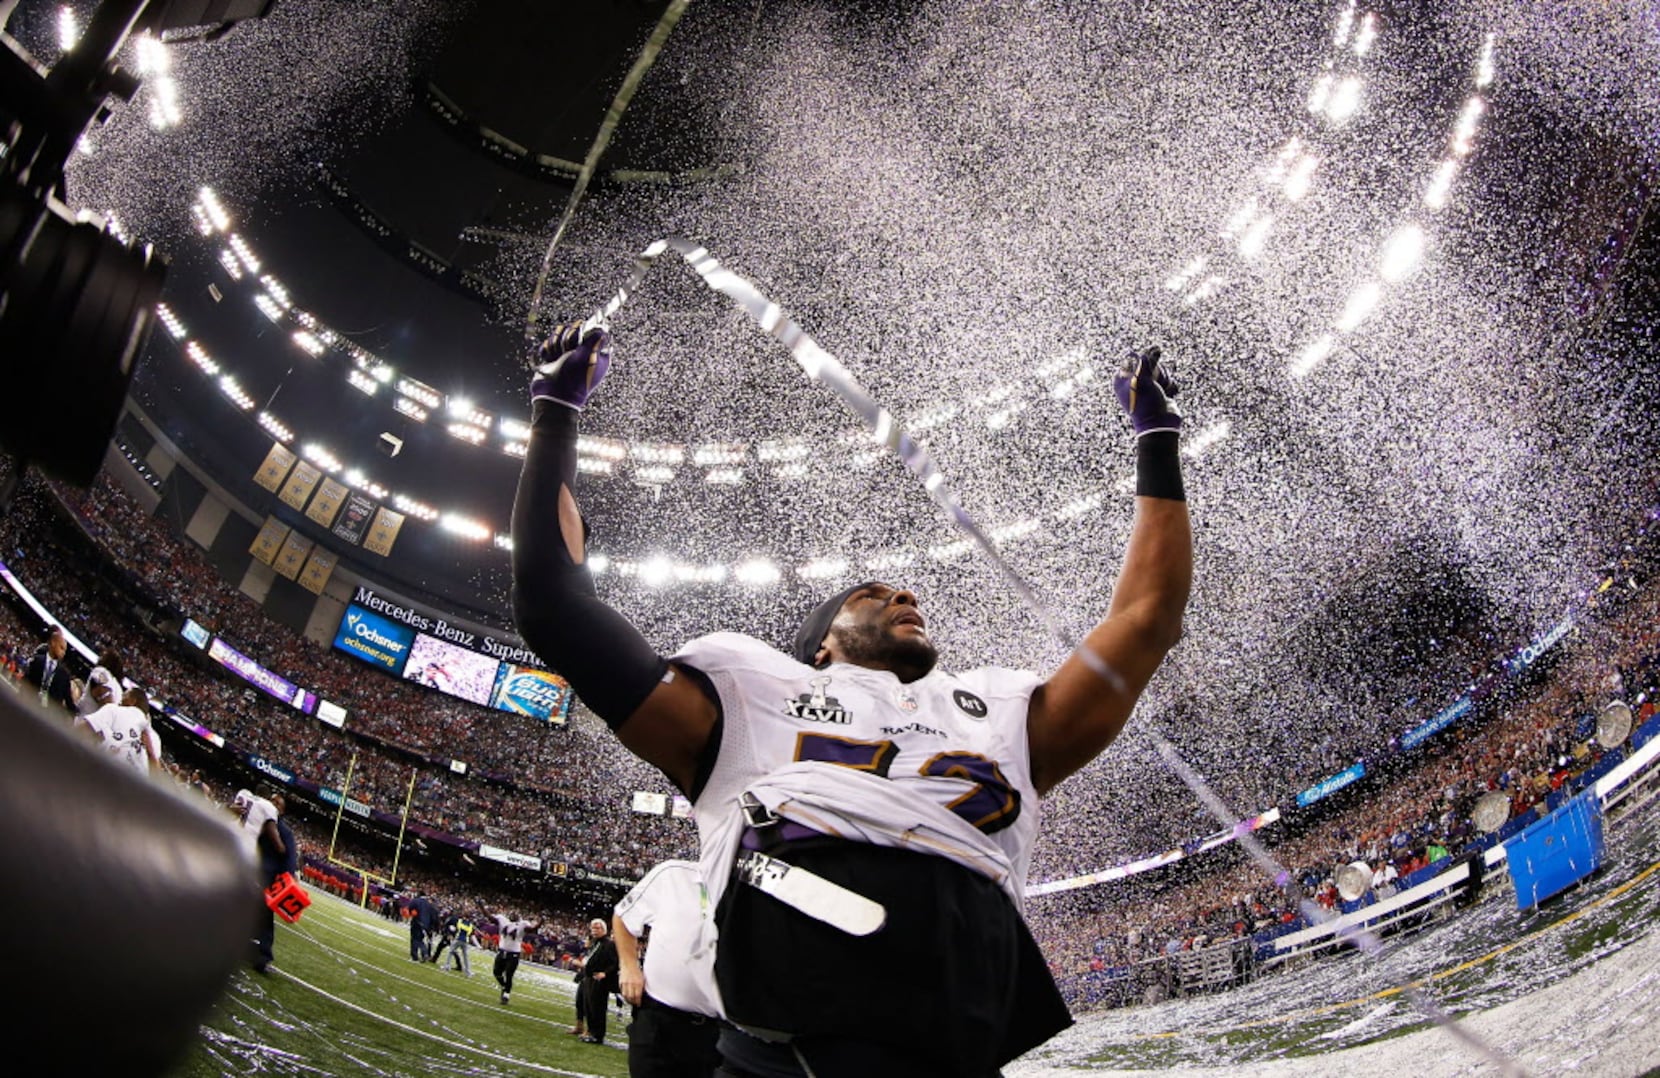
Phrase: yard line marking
x=349 y=1005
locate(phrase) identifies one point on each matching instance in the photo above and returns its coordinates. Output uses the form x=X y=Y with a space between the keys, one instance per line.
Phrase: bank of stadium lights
x=502 y=542
x=212 y=211
x=597 y=564
x=407 y=407
x=465 y=527
x=883 y=563
x=1485 y=68
x=1362 y=302
x=594 y=466
x=275 y=427
x=308 y=342
x=653 y=475
x=69 y=28
x=468 y=433
x=1079 y=507
x=356 y=478
x=1366 y=35
x=1440 y=185
x=1197 y=445
x=793 y=470
x=932 y=417
x=602 y=448
x=1314 y=355
x=243 y=253
x=199 y=356
x=230 y=387
x=170 y=322
x=228 y=261
x=756 y=573
x=268 y=307
x=727 y=477
x=514 y=430
x=823 y=569
x=782 y=452
x=321 y=456
x=1402 y=253
x=516 y=449
x=362 y=383
x=657 y=453
x=274 y=288
x=708 y=456
x=1345 y=23
x=403 y=503
x=419 y=391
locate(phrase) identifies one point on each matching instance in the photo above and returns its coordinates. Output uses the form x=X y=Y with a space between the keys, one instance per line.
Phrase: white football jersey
x=124 y=732
x=679 y=969
x=955 y=740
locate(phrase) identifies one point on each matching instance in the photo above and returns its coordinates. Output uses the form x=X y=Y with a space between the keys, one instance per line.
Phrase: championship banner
x=299 y=485
x=269 y=541
x=329 y=498
x=318 y=568
x=355 y=520
x=292 y=556
x=275 y=469
x=383 y=532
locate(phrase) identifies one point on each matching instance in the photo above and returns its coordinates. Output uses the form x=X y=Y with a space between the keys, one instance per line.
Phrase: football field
x=345 y=999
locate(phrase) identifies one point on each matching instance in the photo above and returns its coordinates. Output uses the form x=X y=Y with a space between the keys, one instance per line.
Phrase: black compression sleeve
x=610 y=666
x=1158 y=466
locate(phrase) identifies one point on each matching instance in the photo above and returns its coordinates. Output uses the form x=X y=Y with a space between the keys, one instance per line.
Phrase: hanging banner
x=383 y=532
x=292 y=557
x=297 y=490
x=329 y=498
x=275 y=469
x=355 y=520
x=268 y=543
x=318 y=568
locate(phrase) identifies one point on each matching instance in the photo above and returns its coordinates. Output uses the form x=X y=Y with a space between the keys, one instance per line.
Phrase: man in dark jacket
x=47 y=673
x=597 y=980
x=422 y=922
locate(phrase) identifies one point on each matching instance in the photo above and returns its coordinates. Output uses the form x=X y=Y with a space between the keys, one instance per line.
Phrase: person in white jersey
x=859 y=810
x=674 y=1028
x=510 y=943
x=122 y=726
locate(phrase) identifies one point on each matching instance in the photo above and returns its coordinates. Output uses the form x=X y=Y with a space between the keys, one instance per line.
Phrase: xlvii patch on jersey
x=816 y=706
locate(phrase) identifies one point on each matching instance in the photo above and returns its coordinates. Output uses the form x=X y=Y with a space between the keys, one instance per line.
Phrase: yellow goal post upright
x=403 y=826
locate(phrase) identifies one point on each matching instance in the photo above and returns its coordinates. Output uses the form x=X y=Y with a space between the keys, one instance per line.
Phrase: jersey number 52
x=991 y=805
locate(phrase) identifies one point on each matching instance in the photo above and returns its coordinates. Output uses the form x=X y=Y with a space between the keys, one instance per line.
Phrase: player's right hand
x=1145 y=389
x=573 y=364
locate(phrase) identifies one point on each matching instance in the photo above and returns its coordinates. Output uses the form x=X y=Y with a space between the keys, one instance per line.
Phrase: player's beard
x=908 y=657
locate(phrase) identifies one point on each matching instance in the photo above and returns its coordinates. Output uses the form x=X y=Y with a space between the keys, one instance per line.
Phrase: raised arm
x=659 y=712
x=1077 y=712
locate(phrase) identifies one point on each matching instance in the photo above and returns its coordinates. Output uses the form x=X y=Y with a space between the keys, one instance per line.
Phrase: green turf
x=285 y=1024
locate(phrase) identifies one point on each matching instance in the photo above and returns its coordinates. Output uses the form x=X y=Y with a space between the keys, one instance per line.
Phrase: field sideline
x=345 y=1000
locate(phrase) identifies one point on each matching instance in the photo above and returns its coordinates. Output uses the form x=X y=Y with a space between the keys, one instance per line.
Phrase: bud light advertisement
x=524 y=690
x=376 y=640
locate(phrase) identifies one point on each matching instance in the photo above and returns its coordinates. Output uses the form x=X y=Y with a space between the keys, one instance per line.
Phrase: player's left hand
x=573 y=364
x=1144 y=390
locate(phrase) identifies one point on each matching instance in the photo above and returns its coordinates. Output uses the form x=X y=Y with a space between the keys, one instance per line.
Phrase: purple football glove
x=573 y=365
x=1144 y=390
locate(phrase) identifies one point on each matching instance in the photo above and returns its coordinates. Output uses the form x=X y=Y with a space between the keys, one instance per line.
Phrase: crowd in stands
x=595 y=829
x=1416 y=814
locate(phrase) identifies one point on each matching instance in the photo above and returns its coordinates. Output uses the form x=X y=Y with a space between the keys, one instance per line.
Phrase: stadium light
x=1345 y=100
x=1440 y=185
x=654 y=572
x=1402 y=253
x=756 y=572
x=1313 y=355
x=1362 y=302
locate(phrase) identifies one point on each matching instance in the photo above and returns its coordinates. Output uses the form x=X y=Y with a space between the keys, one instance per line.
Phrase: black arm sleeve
x=608 y=663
